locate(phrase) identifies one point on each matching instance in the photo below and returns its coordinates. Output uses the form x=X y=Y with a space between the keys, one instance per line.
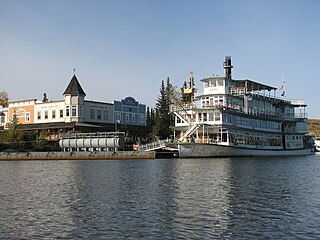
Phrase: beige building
x=72 y=113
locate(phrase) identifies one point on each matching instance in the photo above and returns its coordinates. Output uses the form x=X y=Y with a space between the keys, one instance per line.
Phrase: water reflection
x=32 y=195
x=268 y=198
x=170 y=198
x=203 y=197
x=129 y=199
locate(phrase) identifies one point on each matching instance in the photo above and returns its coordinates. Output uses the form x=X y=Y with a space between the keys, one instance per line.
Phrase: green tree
x=162 y=124
x=184 y=97
x=40 y=144
x=151 y=122
x=14 y=132
x=148 y=120
x=2 y=139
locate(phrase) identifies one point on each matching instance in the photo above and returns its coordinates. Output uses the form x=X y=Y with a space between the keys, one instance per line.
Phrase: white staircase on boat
x=186 y=117
x=189 y=131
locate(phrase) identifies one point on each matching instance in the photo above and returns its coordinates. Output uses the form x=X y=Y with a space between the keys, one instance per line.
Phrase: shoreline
x=118 y=155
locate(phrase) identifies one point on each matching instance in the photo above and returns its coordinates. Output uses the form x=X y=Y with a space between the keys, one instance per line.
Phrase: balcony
x=251 y=111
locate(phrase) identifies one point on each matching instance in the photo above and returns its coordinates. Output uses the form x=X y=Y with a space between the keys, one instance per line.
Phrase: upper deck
x=216 y=85
x=245 y=96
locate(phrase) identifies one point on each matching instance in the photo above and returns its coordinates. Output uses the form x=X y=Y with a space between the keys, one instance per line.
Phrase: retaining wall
x=76 y=155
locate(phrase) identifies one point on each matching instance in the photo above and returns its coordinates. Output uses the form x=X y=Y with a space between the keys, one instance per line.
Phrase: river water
x=239 y=198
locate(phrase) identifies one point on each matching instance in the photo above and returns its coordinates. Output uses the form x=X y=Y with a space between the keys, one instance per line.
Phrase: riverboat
x=233 y=117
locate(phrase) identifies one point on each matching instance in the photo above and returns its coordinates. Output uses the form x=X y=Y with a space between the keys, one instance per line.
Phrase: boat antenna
x=283 y=88
x=181 y=78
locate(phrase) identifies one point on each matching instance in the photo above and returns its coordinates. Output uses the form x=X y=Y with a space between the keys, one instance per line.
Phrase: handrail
x=256 y=112
x=153 y=145
x=77 y=135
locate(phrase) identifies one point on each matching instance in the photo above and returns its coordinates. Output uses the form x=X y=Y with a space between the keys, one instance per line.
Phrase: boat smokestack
x=227 y=66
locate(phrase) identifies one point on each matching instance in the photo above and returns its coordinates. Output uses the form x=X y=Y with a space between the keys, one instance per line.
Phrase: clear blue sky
x=126 y=47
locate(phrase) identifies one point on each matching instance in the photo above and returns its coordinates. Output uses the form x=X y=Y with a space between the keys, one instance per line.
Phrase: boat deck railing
x=250 y=111
x=153 y=145
x=77 y=135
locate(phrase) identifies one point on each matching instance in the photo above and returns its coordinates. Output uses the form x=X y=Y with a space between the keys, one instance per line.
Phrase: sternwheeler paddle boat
x=238 y=118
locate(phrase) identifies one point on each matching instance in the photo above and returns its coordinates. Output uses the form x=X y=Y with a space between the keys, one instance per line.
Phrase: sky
x=123 y=48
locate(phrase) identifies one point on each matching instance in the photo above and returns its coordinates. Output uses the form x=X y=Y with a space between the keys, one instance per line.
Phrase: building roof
x=25 y=100
x=74 y=88
x=252 y=85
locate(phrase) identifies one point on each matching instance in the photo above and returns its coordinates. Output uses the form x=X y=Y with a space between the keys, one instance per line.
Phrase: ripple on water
x=275 y=198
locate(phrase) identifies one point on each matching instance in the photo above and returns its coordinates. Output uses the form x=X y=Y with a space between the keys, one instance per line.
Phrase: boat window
x=220 y=82
x=217 y=116
x=204 y=117
x=224 y=137
x=212 y=83
x=211 y=116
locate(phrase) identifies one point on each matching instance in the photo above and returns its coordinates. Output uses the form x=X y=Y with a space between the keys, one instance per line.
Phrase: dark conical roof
x=74 y=88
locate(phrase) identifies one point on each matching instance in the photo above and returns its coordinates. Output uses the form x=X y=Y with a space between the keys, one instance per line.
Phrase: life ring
x=135 y=147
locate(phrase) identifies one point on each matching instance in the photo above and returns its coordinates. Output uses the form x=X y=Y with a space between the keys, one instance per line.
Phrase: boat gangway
x=159 y=144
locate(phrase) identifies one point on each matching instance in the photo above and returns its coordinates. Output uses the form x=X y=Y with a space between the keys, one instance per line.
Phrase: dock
x=117 y=155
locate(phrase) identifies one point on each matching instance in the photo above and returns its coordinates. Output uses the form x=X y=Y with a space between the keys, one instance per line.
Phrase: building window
x=133 y=118
x=53 y=113
x=118 y=117
x=99 y=114
x=45 y=114
x=92 y=113
x=105 y=115
x=127 y=117
x=142 y=119
x=27 y=117
x=67 y=111
x=81 y=111
x=39 y=115
x=61 y=113
x=74 y=111
x=1 y=118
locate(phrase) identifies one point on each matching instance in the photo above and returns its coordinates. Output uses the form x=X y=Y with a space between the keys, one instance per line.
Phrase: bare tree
x=4 y=98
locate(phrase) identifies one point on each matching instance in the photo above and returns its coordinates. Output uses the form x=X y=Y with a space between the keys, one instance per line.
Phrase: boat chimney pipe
x=227 y=66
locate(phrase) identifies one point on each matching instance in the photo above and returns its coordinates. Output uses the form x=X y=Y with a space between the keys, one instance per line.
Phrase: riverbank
x=5 y=156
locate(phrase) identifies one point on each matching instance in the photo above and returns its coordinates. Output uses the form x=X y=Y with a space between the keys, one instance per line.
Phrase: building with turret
x=74 y=113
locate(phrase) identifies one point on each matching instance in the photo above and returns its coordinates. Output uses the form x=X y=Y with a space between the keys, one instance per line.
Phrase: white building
x=74 y=113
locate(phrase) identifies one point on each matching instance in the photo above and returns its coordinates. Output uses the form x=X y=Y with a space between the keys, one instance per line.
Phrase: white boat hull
x=187 y=150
